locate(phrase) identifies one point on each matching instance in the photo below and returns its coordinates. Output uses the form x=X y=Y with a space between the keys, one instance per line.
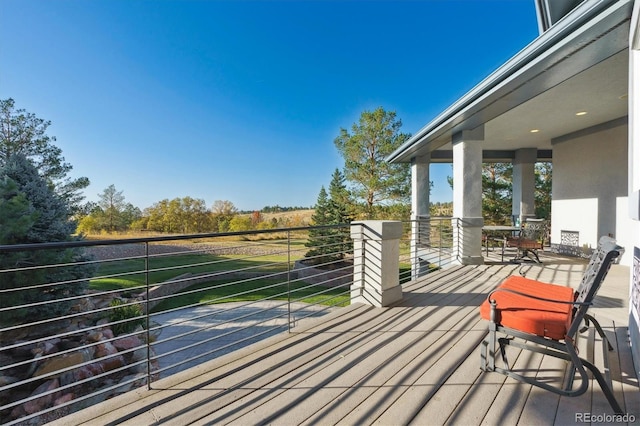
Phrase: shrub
x=122 y=312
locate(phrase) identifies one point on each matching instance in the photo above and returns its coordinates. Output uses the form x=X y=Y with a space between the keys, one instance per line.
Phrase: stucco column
x=420 y=214
x=376 y=252
x=524 y=183
x=467 y=197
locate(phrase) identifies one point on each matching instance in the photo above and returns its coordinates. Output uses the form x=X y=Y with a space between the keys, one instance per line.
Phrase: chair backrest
x=534 y=229
x=601 y=260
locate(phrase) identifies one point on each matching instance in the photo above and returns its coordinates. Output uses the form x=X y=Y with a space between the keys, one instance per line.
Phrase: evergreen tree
x=374 y=180
x=112 y=204
x=330 y=244
x=33 y=213
x=496 y=192
x=22 y=133
x=339 y=210
x=318 y=237
x=543 y=190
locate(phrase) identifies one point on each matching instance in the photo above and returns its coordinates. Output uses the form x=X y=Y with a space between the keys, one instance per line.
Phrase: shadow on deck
x=415 y=362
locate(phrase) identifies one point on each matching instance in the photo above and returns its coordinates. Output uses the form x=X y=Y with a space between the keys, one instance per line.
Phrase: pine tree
x=365 y=149
x=33 y=213
x=330 y=244
x=317 y=237
x=496 y=192
x=339 y=205
x=22 y=133
x=338 y=212
x=543 y=190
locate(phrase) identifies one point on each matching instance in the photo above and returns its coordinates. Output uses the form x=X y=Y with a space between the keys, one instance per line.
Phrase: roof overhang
x=579 y=63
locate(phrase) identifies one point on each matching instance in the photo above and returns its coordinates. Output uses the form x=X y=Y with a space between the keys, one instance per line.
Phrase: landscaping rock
x=112 y=363
x=62 y=361
x=7 y=380
x=45 y=401
x=94 y=336
x=64 y=398
x=105 y=349
x=128 y=343
x=107 y=333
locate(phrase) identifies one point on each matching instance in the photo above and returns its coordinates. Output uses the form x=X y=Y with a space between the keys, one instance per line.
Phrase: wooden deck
x=413 y=363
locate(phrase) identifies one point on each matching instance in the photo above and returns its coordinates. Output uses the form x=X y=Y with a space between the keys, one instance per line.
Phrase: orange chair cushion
x=533 y=316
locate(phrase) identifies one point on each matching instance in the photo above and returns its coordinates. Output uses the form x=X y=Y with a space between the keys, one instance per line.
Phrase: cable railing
x=426 y=246
x=84 y=321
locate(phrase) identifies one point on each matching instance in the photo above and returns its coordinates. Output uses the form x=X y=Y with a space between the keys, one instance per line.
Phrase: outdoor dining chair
x=529 y=240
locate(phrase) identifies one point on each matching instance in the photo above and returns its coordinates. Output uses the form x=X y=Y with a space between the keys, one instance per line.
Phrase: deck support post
x=467 y=197
x=420 y=223
x=376 y=251
x=524 y=182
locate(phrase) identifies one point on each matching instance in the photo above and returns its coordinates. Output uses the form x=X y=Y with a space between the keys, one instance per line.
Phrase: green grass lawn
x=131 y=276
x=224 y=291
x=130 y=273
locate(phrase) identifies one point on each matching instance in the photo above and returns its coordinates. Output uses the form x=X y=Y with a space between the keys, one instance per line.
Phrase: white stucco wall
x=634 y=184
x=590 y=182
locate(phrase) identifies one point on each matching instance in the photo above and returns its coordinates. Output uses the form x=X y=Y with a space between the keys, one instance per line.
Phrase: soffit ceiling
x=586 y=72
x=600 y=91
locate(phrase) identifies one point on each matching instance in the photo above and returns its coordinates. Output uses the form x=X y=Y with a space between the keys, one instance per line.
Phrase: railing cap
x=376 y=230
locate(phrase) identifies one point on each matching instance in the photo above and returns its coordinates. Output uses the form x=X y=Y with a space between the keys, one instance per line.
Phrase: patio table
x=497 y=229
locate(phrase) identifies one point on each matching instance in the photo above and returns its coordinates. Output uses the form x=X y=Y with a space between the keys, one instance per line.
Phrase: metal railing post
x=289 y=279
x=440 y=245
x=148 y=322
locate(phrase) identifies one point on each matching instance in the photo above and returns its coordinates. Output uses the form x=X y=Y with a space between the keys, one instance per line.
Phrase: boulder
x=94 y=336
x=112 y=363
x=105 y=349
x=62 y=361
x=64 y=398
x=127 y=343
x=7 y=380
x=107 y=333
x=43 y=402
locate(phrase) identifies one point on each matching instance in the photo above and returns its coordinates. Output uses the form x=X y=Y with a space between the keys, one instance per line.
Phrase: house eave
x=591 y=33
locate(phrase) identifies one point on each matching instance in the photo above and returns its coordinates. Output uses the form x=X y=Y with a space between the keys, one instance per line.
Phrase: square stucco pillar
x=524 y=183
x=420 y=224
x=467 y=197
x=376 y=251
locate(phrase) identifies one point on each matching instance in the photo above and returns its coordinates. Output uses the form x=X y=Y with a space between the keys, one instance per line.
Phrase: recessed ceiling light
x=581 y=113
x=534 y=130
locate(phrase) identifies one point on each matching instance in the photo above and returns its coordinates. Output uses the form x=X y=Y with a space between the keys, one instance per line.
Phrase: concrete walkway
x=194 y=335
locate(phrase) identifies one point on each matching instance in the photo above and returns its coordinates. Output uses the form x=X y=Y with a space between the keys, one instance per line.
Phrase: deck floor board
x=417 y=362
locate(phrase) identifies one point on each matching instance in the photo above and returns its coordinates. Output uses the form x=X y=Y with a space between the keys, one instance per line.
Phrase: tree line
x=39 y=202
x=185 y=215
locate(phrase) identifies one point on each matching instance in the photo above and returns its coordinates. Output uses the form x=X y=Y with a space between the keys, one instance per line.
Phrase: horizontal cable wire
x=226 y=264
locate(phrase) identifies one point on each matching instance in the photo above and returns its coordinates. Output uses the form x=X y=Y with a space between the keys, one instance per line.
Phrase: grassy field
x=129 y=275
x=131 y=272
x=225 y=291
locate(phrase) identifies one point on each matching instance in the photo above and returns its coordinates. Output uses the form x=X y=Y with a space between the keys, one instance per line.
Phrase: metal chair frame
x=528 y=241
x=601 y=260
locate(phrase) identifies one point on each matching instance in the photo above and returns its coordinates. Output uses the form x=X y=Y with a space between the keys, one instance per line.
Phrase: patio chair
x=546 y=318
x=528 y=242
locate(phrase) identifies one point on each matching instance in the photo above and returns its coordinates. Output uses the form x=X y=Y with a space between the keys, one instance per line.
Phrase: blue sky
x=241 y=100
